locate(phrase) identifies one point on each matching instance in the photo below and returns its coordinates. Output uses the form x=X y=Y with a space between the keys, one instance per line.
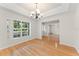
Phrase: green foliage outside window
x=16 y=24
x=20 y=28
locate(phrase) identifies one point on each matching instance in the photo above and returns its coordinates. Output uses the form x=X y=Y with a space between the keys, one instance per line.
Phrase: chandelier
x=36 y=14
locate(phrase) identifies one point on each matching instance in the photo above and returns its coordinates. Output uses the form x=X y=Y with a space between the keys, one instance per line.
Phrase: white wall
x=76 y=28
x=69 y=35
x=68 y=26
x=7 y=14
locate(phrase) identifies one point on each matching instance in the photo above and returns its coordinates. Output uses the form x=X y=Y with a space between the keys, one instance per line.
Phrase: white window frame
x=11 y=28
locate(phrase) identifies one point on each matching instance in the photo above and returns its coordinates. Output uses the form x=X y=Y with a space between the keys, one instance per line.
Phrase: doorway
x=50 y=32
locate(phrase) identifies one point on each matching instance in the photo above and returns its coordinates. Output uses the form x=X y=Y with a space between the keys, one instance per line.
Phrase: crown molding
x=14 y=8
x=58 y=10
x=18 y=9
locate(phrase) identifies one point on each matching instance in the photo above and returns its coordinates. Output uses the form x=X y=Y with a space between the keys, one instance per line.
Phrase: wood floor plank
x=38 y=47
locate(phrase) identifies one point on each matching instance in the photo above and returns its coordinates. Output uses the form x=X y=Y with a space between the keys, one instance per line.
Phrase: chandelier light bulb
x=38 y=11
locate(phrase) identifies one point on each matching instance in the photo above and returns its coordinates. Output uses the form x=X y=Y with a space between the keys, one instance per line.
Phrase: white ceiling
x=46 y=9
x=43 y=7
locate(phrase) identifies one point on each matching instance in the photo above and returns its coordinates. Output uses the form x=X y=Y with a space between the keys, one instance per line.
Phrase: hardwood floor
x=38 y=47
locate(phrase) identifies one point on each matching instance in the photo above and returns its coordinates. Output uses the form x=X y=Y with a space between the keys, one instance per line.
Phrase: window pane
x=24 y=30
x=17 y=29
x=24 y=34
x=24 y=24
x=16 y=34
x=16 y=24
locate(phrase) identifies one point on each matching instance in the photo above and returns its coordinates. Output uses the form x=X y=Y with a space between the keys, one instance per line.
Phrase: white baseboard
x=14 y=44
x=77 y=48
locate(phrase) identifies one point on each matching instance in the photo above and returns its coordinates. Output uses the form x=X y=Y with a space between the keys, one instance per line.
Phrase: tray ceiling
x=27 y=8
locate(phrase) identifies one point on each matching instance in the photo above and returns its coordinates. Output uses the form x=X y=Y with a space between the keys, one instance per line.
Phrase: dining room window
x=20 y=28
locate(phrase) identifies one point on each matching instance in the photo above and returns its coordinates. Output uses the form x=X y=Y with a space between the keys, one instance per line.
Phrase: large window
x=20 y=28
